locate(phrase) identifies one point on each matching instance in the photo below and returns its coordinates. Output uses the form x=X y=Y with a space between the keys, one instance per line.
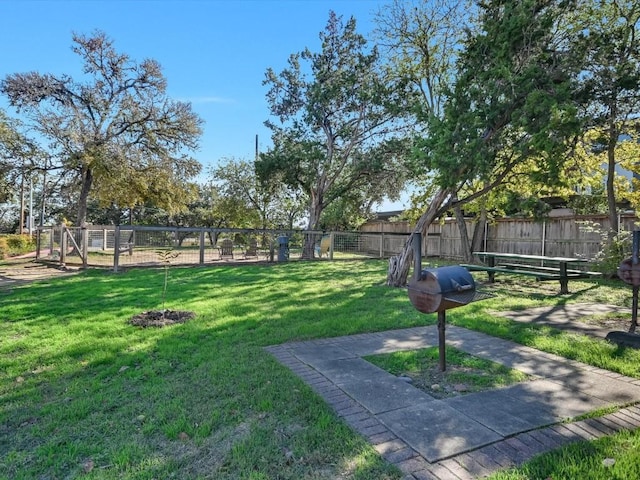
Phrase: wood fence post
x=84 y=241
x=63 y=245
x=116 y=248
x=202 y=246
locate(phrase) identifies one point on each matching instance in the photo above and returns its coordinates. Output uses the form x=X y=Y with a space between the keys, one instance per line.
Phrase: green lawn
x=85 y=395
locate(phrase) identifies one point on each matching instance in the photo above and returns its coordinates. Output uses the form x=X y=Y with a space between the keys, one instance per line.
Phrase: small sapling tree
x=165 y=257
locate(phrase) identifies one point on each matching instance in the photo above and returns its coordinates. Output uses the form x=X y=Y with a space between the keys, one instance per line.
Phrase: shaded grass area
x=464 y=373
x=615 y=457
x=83 y=394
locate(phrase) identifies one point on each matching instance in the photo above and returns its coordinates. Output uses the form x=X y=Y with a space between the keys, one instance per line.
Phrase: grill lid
x=439 y=289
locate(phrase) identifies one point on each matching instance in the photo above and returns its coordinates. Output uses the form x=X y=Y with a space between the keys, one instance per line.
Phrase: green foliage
x=614 y=248
x=511 y=100
x=16 y=245
x=20 y=243
x=114 y=136
x=333 y=122
x=588 y=204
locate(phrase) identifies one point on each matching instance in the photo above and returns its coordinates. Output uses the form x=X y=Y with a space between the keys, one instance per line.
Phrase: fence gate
x=61 y=242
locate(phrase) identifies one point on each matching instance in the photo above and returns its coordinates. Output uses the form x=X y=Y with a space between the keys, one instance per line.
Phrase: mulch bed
x=161 y=318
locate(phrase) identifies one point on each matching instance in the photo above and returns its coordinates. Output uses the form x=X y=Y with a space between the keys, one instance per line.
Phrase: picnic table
x=540 y=266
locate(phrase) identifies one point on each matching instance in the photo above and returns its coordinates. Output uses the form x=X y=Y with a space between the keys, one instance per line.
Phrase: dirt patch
x=14 y=272
x=161 y=318
x=464 y=373
x=450 y=383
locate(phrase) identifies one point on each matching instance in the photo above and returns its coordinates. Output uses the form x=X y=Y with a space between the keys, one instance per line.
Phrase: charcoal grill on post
x=436 y=290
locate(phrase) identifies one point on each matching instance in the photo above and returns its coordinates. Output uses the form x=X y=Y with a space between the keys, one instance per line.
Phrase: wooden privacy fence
x=557 y=236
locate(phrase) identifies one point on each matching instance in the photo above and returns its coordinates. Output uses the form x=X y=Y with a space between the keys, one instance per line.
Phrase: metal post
x=564 y=279
x=416 y=244
x=331 y=240
x=441 y=340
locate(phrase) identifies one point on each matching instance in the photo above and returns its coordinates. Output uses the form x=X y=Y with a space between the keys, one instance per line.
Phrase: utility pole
x=256 y=147
x=21 y=224
x=31 y=222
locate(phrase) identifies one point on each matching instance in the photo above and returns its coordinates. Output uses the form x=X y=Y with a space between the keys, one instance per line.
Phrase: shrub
x=613 y=249
x=4 y=248
x=16 y=245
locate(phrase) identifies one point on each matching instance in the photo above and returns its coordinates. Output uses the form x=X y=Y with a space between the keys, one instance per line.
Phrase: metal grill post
x=441 y=340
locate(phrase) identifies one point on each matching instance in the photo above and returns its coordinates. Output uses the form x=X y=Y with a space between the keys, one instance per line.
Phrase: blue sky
x=214 y=53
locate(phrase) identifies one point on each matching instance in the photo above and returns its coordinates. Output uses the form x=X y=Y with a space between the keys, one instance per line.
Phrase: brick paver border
x=510 y=452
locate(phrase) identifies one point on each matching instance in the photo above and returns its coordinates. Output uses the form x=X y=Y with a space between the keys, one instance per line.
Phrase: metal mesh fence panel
x=139 y=246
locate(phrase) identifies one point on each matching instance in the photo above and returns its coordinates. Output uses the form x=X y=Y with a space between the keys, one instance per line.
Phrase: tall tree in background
x=421 y=40
x=13 y=153
x=22 y=162
x=511 y=102
x=332 y=108
x=269 y=200
x=115 y=127
x=608 y=37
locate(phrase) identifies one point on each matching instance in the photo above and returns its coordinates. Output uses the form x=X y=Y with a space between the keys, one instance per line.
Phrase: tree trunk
x=611 y=193
x=87 y=183
x=308 y=249
x=478 y=233
x=465 y=244
x=399 y=264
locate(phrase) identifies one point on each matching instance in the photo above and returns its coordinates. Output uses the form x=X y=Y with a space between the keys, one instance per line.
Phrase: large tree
x=511 y=102
x=114 y=131
x=421 y=40
x=12 y=154
x=608 y=39
x=270 y=202
x=331 y=109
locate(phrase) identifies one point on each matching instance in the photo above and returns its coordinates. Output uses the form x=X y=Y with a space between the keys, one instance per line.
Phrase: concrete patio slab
x=375 y=389
x=608 y=389
x=465 y=436
x=310 y=353
x=503 y=412
x=438 y=431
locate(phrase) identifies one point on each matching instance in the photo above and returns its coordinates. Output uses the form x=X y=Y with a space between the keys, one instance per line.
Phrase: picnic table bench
x=539 y=266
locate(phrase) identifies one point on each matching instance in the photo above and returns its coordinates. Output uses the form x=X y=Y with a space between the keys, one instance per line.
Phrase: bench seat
x=516 y=266
x=500 y=269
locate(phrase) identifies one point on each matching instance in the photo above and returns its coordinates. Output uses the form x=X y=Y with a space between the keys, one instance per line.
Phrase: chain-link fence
x=132 y=246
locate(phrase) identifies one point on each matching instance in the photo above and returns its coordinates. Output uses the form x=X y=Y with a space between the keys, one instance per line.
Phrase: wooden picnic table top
x=518 y=256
